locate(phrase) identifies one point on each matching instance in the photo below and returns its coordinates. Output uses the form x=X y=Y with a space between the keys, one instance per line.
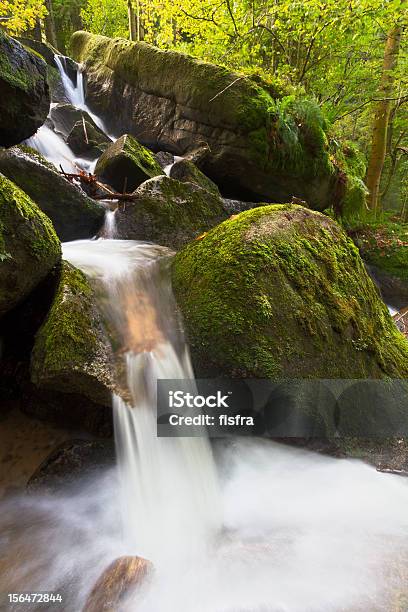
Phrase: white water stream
x=260 y=528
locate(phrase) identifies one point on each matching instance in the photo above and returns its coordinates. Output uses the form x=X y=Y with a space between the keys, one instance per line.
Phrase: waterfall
x=75 y=92
x=169 y=487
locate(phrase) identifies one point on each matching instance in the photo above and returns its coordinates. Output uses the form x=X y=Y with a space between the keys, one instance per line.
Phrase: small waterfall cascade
x=168 y=485
x=50 y=144
x=75 y=90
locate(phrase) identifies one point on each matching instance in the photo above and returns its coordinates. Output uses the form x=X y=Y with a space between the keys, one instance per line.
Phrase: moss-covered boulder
x=71 y=362
x=186 y=171
x=168 y=212
x=126 y=164
x=264 y=144
x=25 y=97
x=383 y=244
x=281 y=291
x=29 y=247
x=74 y=215
x=87 y=140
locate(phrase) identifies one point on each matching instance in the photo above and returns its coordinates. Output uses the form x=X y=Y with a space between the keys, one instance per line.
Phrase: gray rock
x=25 y=96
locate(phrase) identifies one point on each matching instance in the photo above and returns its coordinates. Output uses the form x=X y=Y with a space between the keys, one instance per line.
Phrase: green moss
x=43 y=239
x=169 y=212
x=281 y=291
x=34 y=154
x=12 y=73
x=384 y=244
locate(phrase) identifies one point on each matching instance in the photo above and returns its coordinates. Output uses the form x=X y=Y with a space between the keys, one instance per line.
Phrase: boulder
x=71 y=361
x=74 y=215
x=187 y=172
x=29 y=247
x=43 y=48
x=280 y=291
x=126 y=164
x=64 y=116
x=384 y=247
x=122 y=577
x=72 y=461
x=168 y=212
x=25 y=98
x=263 y=144
x=87 y=140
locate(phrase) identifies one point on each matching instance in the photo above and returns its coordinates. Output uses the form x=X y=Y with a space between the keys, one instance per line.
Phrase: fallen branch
x=90 y=180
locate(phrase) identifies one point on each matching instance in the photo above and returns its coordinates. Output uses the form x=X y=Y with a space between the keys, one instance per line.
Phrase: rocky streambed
x=133 y=158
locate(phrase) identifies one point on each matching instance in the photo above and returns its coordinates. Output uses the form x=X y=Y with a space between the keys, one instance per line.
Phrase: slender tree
x=50 y=31
x=382 y=118
x=132 y=21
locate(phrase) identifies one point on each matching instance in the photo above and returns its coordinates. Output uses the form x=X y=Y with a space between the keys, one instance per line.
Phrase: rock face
x=73 y=214
x=25 y=98
x=168 y=212
x=281 y=291
x=71 y=362
x=126 y=164
x=64 y=116
x=121 y=577
x=70 y=462
x=187 y=172
x=173 y=102
x=29 y=247
x=384 y=246
x=87 y=140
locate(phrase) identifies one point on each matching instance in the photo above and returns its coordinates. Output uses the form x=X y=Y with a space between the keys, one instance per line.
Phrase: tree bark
x=381 y=118
x=132 y=21
x=50 y=31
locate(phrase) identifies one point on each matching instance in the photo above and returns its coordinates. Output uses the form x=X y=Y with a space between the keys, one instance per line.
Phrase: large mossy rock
x=126 y=164
x=25 y=97
x=74 y=215
x=29 y=246
x=263 y=146
x=168 y=212
x=71 y=362
x=281 y=291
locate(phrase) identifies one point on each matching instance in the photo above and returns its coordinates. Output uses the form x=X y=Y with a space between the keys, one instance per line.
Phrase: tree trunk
x=132 y=21
x=381 y=119
x=50 y=31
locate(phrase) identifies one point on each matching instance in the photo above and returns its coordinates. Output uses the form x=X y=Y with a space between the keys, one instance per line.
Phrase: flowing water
x=257 y=527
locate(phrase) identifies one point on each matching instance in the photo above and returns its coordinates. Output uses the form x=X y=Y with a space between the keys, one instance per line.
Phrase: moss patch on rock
x=25 y=96
x=29 y=247
x=126 y=164
x=383 y=244
x=280 y=291
x=73 y=214
x=169 y=213
x=71 y=353
x=264 y=144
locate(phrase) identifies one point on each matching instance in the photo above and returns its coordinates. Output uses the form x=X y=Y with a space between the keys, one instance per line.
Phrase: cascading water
x=276 y=529
x=169 y=490
x=50 y=144
x=75 y=92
